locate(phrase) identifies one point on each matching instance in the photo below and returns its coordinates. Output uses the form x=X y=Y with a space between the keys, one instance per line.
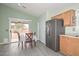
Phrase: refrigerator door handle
x=48 y=30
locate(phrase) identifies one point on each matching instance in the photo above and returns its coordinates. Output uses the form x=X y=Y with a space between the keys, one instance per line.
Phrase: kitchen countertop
x=72 y=36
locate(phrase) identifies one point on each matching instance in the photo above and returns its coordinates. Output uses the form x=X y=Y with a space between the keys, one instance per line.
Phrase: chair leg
x=34 y=43
x=18 y=44
x=31 y=44
x=22 y=44
x=25 y=45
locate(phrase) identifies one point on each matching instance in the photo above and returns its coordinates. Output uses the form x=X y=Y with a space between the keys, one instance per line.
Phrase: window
x=26 y=26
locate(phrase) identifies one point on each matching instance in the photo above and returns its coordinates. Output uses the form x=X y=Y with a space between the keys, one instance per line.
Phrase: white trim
x=8 y=43
x=9 y=30
x=18 y=19
x=37 y=31
x=5 y=43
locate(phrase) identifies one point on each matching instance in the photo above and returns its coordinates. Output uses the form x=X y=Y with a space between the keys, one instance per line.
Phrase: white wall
x=42 y=21
x=37 y=31
x=51 y=12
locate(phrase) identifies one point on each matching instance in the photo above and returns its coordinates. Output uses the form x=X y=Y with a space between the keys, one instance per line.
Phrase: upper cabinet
x=60 y=16
x=68 y=17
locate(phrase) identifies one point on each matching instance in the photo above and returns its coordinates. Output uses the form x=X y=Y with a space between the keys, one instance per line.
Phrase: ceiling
x=34 y=9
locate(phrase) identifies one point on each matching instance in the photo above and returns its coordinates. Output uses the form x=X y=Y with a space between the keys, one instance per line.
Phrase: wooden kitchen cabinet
x=64 y=45
x=67 y=20
x=60 y=16
x=69 y=45
x=68 y=17
x=75 y=47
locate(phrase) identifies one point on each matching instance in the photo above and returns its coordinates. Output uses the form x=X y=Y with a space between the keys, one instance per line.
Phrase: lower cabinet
x=76 y=47
x=69 y=46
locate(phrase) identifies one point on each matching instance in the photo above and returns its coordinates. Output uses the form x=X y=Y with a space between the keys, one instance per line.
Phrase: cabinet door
x=69 y=18
x=63 y=45
x=70 y=46
x=67 y=45
x=60 y=16
x=73 y=20
x=75 y=47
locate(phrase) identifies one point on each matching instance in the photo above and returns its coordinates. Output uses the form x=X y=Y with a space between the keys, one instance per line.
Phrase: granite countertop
x=72 y=36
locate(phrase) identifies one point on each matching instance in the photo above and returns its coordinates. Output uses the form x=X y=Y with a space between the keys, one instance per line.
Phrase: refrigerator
x=54 y=28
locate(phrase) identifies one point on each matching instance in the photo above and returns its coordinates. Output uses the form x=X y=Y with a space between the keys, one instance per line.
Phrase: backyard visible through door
x=17 y=26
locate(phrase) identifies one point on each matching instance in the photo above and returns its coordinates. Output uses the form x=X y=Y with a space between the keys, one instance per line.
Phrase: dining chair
x=29 y=40
x=20 y=42
x=34 y=38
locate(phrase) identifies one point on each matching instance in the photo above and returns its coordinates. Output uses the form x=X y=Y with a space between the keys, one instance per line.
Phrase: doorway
x=17 y=26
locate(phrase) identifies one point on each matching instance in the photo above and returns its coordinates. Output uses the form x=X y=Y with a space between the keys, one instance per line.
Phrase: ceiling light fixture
x=21 y=5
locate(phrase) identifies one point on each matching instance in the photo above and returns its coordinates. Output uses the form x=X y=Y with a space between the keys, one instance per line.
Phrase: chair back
x=29 y=36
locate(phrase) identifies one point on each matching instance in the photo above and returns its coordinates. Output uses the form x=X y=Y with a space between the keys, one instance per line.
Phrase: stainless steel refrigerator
x=54 y=28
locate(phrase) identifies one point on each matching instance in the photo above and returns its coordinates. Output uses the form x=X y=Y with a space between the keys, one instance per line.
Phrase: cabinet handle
x=73 y=20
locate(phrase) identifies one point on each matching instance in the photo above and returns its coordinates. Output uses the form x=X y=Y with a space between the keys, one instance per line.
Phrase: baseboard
x=4 y=43
x=17 y=41
x=7 y=43
x=42 y=42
